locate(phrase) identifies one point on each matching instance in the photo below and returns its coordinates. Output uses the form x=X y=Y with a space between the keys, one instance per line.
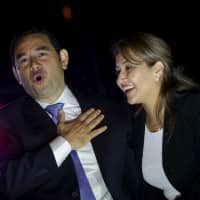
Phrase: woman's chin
x=131 y=101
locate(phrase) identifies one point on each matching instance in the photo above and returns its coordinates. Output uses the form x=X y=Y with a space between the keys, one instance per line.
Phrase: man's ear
x=64 y=57
x=16 y=75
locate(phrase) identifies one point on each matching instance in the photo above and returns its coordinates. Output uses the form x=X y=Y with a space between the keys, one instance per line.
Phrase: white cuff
x=61 y=149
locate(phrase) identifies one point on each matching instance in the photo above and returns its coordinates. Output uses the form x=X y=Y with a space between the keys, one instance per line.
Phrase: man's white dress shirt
x=61 y=148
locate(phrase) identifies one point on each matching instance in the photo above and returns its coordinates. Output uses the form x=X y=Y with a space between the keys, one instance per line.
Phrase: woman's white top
x=152 y=164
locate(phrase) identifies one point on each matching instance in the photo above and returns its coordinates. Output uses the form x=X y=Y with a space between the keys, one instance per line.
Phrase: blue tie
x=85 y=189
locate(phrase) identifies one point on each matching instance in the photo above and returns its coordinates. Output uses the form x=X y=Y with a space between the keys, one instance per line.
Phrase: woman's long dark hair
x=151 y=49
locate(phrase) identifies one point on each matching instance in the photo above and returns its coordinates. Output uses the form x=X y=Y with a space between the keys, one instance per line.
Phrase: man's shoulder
x=15 y=103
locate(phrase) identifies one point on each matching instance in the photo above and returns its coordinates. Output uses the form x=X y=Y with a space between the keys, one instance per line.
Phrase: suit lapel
x=40 y=128
x=101 y=143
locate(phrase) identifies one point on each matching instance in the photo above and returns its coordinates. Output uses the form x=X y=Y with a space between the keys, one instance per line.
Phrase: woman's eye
x=117 y=71
x=41 y=54
x=128 y=67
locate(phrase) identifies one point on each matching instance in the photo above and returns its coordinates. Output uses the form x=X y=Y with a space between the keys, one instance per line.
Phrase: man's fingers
x=95 y=121
x=84 y=115
x=80 y=131
x=85 y=127
x=92 y=116
x=97 y=132
x=61 y=117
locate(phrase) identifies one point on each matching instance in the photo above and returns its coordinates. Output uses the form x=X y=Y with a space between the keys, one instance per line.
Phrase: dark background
x=91 y=29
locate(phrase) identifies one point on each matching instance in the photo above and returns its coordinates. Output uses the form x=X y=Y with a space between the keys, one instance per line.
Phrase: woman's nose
x=122 y=76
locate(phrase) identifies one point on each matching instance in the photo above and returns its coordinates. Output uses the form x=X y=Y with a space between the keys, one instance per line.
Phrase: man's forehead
x=32 y=42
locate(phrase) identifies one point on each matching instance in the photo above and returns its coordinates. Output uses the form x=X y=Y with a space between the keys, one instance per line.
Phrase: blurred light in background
x=67 y=12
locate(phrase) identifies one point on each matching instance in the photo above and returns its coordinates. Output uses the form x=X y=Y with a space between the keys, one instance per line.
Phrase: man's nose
x=34 y=63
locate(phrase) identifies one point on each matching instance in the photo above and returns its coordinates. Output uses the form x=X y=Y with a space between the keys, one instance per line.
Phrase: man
x=36 y=155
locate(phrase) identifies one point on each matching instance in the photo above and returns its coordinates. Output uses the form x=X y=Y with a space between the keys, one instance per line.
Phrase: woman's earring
x=157 y=77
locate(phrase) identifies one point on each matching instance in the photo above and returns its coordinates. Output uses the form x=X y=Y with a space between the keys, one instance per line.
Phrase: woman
x=166 y=139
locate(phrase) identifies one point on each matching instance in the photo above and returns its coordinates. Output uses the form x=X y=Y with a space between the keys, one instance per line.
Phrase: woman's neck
x=154 y=121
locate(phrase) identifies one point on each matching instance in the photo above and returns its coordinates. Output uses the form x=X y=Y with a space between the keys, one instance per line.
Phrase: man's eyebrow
x=42 y=48
x=37 y=49
x=20 y=55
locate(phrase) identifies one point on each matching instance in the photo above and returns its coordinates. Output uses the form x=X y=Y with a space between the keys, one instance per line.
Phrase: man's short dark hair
x=34 y=30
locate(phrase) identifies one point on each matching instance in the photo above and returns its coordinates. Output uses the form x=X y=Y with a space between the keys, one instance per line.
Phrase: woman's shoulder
x=189 y=100
x=188 y=95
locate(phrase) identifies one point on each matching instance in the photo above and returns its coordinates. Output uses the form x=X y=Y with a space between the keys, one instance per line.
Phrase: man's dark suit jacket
x=28 y=168
x=181 y=150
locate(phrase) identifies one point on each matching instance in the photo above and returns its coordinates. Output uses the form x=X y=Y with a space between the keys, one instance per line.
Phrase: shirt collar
x=66 y=97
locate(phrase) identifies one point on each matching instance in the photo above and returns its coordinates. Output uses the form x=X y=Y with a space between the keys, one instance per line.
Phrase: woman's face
x=138 y=81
